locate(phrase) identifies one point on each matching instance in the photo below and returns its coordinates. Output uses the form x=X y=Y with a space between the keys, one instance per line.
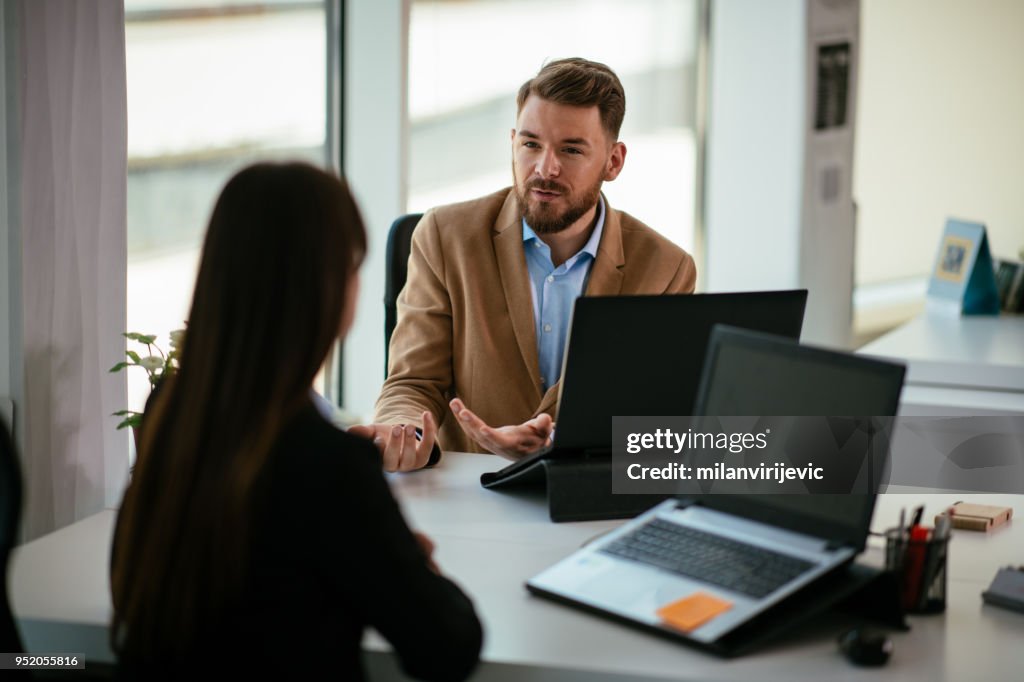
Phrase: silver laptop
x=740 y=554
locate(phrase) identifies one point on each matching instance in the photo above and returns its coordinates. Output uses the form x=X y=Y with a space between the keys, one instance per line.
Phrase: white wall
x=376 y=134
x=770 y=222
x=941 y=130
x=755 y=144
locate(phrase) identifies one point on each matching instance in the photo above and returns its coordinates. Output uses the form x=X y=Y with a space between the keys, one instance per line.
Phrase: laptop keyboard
x=730 y=564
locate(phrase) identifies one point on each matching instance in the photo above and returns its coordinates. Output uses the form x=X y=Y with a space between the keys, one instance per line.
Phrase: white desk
x=968 y=364
x=492 y=542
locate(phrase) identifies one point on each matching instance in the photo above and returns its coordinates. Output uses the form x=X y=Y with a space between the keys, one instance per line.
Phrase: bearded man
x=476 y=355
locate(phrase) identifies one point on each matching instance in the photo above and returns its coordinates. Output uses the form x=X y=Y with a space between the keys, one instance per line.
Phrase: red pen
x=914 y=566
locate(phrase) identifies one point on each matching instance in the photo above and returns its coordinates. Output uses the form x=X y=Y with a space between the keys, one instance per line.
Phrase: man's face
x=560 y=156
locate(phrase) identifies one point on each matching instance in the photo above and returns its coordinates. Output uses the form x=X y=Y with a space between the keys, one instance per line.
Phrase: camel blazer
x=465 y=317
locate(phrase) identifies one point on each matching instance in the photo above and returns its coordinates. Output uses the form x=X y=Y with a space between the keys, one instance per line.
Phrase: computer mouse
x=865 y=647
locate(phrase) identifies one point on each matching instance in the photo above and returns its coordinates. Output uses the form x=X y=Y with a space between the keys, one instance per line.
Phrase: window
x=212 y=87
x=468 y=58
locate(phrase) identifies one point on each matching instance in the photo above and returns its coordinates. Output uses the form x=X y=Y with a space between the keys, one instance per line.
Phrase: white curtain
x=73 y=146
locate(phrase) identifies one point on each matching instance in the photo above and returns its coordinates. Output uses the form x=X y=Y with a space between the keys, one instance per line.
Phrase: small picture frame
x=954 y=256
x=963 y=281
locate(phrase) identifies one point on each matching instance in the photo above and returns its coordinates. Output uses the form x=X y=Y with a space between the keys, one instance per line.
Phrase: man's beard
x=543 y=218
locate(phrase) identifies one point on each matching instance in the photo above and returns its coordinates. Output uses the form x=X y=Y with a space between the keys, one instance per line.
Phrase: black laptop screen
x=642 y=355
x=749 y=374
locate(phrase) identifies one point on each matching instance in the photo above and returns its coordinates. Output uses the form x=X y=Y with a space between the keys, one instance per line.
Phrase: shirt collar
x=595 y=237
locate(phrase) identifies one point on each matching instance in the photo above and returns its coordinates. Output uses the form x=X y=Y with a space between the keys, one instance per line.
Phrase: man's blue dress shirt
x=554 y=292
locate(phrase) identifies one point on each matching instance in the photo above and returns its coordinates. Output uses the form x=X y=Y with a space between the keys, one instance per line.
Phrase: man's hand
x=512 y=442
x=399 y=448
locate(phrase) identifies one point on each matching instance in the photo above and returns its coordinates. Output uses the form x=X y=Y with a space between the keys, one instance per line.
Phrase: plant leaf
x=119 y=366
x=134 y=356
x=133 y=421
x=121 y=413
x=141 y=338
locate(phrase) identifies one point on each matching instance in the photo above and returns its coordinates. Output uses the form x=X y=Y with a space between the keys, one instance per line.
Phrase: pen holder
x=920 y=566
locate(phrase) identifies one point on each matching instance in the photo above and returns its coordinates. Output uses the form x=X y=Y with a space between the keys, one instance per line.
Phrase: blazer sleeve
x=429 y=621
x=420 y=365
x=684 y=281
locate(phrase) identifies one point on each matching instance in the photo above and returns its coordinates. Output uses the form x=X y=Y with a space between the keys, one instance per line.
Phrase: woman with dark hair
x=255 y=536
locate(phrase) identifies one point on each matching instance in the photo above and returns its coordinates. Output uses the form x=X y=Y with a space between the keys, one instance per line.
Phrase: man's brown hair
x=579 y=82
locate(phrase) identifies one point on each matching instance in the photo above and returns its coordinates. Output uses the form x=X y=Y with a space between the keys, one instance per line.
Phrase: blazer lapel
x=606 y=273
x=508 y=249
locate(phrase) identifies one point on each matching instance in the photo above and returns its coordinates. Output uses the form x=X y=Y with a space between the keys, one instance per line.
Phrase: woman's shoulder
x=317 y=469
x=309 y=433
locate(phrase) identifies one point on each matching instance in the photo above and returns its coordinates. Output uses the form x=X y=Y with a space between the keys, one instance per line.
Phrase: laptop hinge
x=834 y=545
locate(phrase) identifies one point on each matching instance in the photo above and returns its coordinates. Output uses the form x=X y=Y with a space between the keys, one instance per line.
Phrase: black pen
x=918 y=514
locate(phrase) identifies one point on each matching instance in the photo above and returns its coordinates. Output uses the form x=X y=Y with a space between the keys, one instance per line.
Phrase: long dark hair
x=282 y=246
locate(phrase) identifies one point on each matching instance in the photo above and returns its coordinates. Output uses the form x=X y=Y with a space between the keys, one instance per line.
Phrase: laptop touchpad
x=628 y=587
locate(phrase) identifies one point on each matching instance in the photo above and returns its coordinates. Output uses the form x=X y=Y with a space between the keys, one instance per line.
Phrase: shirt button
x=551 y=278
x=547 y=327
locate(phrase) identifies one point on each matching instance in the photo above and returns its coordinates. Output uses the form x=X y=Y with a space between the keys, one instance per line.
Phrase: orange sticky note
x=691 y=612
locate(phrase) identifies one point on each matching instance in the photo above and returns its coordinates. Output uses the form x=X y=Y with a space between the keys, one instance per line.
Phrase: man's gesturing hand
x=512 y=442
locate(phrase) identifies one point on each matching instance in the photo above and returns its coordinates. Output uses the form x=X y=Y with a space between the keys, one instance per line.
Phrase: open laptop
x=637 y=355
x=743 y=553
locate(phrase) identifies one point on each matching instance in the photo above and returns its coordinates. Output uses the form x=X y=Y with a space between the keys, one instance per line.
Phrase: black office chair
x=396 y=256
x=10 y=516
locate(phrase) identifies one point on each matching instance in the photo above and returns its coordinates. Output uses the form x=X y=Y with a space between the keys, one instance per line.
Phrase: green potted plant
x=157 y=365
